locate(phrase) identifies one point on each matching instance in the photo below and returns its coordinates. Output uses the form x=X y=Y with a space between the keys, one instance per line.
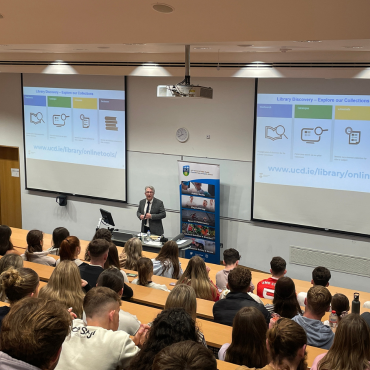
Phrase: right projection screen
x=312 y=153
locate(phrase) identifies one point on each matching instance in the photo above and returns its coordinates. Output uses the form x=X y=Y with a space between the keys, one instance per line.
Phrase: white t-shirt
x=152 y=285
x=127 y=322
x=92 y=347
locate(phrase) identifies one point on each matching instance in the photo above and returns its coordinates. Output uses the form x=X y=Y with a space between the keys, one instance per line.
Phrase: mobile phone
x=131 y=275
x=172 y=284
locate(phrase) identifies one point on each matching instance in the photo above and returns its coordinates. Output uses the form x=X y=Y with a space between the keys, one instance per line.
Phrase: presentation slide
x=312 y=160
x=76 y=130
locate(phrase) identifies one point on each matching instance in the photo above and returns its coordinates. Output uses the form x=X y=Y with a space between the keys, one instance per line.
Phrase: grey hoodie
x=318 y=334
x=10 y=363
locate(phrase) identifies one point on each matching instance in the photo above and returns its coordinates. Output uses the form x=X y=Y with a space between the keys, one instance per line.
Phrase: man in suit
x=150 y=212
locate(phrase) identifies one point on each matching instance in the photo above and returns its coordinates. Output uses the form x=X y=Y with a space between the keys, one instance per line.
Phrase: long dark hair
x=144 y=270
x=113 y=259
x=5 y=243
x=169 y=255
x=59 y=234
x=285 y=299
x=68 y=248
x=171 y=326
x=34 y=239
x=248 y=346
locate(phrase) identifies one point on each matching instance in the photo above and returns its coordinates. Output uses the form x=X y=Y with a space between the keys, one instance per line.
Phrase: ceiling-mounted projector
x=185 y=89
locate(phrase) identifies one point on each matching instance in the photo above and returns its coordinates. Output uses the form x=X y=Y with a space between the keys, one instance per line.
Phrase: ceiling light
x=201 y=48
x=245 y=46
x=308 y=41
x=163 y=8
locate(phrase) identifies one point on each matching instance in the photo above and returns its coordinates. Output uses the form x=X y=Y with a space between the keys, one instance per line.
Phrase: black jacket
x=225 y=310
x=91 y=274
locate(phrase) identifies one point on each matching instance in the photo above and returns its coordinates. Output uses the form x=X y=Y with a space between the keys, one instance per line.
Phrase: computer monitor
x=107 y=217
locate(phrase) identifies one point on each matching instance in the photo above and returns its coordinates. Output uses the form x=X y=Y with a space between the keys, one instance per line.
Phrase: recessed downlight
x=163 y=8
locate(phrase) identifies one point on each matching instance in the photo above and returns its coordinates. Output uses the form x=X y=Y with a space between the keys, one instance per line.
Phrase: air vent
x=333 y=261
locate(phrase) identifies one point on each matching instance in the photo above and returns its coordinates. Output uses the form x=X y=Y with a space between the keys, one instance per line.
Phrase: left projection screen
x=75 y=135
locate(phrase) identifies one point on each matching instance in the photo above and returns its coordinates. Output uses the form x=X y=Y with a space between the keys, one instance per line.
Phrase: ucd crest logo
x=186 y=170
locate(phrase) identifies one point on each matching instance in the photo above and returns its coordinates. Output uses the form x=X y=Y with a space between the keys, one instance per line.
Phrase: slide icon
x=58 y=118
x=85 y=121
x=36 y=118
x=275 y=133
x=353 y=136
x=312 y=135
x=111 y=123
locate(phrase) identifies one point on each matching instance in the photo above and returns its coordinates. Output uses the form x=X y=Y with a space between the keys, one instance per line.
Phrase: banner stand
x=200 y=209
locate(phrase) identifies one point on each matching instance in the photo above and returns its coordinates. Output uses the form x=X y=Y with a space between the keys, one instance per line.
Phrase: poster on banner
x=199 y=185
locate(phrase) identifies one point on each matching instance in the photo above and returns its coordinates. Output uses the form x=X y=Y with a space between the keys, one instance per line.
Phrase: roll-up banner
x=200 y=209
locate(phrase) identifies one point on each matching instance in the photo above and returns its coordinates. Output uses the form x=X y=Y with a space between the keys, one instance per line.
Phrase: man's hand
x=142 y=217
x=83 y=283
x=140 y=336
x=148 y=215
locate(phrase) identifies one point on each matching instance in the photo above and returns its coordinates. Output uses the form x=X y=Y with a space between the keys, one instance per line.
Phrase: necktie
x=147 y=208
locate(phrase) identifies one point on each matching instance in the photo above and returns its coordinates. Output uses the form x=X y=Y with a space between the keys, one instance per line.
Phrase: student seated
x=131 y=254
x=97 y=344
x=10 y=261
x=32 y=335
x=248 y=346
x=113 y=279
x=6 y=245
x=167 y=262
x=183 y=356
x=113 y=261
x=350 y=349
x=285 y=300
x=98 y=252
x=196 y=275
x=286 y=346
x=231 y=260
x=317 y=303
x=15 y=285
x=69 y=249
x=59 y=234
x=34 y=252
x=225 y=310
x=183 y=296
x=339 y=304
x=65 y=287
x=320 y=276
x=145 y=274
x=266 y=287
x=169 y=327
x=99 y=234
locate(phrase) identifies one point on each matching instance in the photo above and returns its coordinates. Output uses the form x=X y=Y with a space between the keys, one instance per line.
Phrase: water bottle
x=356 y=303
x=148 y=236
x=333 y=320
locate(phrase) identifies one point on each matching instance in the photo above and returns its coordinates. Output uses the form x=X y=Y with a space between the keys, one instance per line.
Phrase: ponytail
x=144 y=270
x=17 y=284
x=68 y=247
x=34 y=239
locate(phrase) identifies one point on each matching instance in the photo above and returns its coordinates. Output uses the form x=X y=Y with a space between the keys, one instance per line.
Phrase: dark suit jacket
x=157 y=211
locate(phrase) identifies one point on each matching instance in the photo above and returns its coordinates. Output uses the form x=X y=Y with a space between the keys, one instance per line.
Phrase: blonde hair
x=196 y=276
x=351 y=346
x=65 y=286
x=133 y=252
x=183 y=296
x=16 y=284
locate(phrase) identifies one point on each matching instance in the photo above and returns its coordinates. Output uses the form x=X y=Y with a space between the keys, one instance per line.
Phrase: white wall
x=229 y=121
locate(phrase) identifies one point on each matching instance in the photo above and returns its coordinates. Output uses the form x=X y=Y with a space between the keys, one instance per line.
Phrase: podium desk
x=120 y=237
